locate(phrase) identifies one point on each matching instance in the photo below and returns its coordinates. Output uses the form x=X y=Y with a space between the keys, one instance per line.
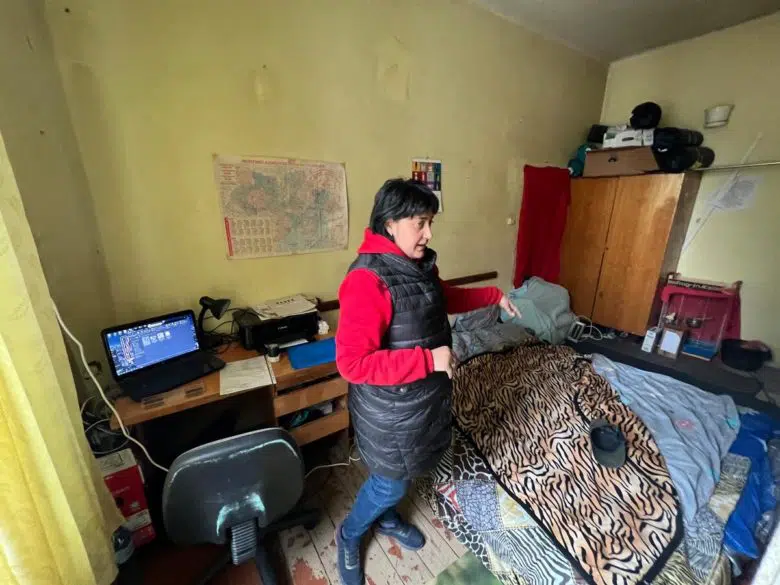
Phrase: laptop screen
x=140 y=345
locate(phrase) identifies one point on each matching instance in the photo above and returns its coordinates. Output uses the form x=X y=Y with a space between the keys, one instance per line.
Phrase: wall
x=155 y=88
x=44 y=154
x=730 y=66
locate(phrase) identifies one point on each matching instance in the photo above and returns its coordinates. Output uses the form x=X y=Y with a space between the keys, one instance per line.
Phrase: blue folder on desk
x=312 y=354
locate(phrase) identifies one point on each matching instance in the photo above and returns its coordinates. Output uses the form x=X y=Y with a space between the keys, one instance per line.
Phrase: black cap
x=645 y=116
x=608 y=443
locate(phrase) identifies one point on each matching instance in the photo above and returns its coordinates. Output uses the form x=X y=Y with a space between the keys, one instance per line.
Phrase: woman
x=393 y=346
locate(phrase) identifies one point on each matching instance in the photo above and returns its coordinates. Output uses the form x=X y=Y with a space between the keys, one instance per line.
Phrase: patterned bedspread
x=520 y=488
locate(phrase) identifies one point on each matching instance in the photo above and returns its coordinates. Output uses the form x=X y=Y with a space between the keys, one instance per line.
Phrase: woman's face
x=411 y=234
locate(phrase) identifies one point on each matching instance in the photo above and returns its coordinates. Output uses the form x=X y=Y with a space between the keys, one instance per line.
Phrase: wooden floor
x=310 y=556
x=164 y=564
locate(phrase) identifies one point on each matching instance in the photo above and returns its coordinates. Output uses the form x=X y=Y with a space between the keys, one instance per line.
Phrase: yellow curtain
x=56 y=515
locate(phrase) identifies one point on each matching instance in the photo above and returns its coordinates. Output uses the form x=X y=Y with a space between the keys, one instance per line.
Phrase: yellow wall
x=739 y=65
x=156 y=87
x=44 y=154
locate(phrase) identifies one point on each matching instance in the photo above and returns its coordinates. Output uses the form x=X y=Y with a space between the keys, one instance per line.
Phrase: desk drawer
x=309 y=396
x=322 y=427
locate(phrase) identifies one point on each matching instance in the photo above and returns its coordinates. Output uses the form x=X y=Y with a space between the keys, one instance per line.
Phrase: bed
x=520 y=488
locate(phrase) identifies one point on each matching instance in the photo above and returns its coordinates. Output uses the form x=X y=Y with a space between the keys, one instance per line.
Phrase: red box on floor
x=123 y=478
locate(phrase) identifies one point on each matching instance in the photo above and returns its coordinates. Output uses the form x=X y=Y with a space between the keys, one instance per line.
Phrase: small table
x=294 y=390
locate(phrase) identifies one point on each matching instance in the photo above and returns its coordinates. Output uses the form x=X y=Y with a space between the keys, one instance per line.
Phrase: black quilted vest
x=402 y=431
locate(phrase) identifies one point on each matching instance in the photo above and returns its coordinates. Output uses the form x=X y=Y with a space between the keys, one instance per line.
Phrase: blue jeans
x=376 y=500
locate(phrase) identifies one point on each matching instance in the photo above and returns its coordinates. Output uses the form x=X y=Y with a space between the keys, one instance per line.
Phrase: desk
x=294 y=390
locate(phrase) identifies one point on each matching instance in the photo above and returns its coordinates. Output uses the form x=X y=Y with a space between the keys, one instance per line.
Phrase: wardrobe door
x=636 y=245
x=584 y=238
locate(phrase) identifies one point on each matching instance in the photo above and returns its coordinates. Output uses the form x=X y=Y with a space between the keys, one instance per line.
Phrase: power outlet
x=95 y=367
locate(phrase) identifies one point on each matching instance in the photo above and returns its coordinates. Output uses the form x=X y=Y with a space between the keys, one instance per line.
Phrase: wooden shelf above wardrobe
x=623 y=235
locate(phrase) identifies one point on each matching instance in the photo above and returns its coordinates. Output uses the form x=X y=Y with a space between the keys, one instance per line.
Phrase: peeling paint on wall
x=393 y=69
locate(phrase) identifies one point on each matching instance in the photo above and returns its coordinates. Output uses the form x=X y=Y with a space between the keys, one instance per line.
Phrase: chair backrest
x=221 y=484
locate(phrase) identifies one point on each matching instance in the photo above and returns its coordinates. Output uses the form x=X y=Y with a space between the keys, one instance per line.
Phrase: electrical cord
x=102 y=440
x=221 y=342
x=225 y=347
x=347 y=463
x=227 y=311
x=96 y=426
x=91 y=413
x=308 y=473
x=590 y=329
x=231 y=323
x=84 y=404
x=325 y=478
x=122 y=426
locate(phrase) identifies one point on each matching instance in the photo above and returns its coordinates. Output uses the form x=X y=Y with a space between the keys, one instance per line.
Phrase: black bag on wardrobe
x=683 y=158
x=666 y=138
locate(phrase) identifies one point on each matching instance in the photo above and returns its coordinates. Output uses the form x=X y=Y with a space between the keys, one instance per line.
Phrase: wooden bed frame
x=325 y=306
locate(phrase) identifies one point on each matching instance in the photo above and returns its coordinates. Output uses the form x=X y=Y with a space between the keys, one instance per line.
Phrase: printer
x=255 y=333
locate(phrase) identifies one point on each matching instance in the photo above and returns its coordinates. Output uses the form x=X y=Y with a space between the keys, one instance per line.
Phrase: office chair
x=236 y=492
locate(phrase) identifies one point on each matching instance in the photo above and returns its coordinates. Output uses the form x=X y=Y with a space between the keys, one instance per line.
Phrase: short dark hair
x=399 y=199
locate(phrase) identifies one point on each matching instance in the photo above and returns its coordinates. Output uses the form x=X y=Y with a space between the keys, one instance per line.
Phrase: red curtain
x=546 y=196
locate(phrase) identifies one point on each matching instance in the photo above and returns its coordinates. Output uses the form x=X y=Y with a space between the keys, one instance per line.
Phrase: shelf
x=309 y=396
x=322 y=427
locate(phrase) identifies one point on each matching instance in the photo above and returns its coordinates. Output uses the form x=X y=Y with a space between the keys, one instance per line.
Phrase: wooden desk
x=298 y=389
x=196 y=393
x=294 y=390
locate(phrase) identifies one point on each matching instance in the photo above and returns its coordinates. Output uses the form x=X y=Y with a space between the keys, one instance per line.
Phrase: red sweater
x=366 y=312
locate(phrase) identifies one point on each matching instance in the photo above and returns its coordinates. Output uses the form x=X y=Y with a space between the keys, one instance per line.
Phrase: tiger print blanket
x=527 y=412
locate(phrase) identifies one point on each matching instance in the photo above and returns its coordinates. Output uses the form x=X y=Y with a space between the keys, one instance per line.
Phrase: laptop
x=155 y=355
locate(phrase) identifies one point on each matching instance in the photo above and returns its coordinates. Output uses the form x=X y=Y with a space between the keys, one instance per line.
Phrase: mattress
x=520 y=490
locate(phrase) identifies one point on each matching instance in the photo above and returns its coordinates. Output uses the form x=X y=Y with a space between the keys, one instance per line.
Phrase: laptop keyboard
x=172 y=375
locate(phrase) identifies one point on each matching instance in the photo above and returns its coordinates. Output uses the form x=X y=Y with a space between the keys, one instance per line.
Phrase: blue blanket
x=758 y=496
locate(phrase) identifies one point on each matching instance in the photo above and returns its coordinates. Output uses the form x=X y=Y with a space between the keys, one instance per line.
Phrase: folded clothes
x=544 y=309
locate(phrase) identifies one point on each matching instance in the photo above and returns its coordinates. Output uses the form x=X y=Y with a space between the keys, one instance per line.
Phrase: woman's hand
x=443 y=360
x=509 y=307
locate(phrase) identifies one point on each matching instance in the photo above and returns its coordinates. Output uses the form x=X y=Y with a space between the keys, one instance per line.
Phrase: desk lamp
x=218 y=307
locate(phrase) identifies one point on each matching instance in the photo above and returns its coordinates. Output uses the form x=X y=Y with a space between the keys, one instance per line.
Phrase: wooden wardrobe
x=622 y=236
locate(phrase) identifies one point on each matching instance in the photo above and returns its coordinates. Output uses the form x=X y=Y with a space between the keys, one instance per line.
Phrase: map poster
x=278 y=207
x=428 y=171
